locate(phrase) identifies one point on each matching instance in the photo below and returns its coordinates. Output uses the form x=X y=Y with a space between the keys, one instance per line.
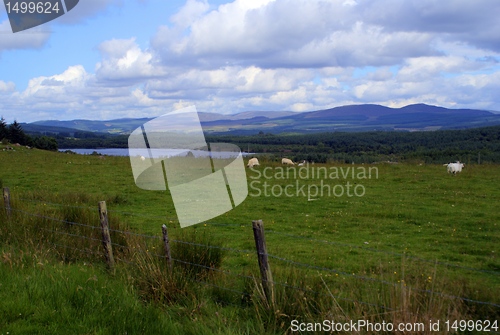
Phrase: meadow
x=380 y=242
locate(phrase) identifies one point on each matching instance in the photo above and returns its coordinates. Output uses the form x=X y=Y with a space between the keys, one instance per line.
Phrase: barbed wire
x=247 y=251
x=125 y=261
x=313 y=291
x=172 y=219
x=329 y=295
x=135 y=234
x=213 y=246
x=143 y=215
x=273 y=282
x=119 y=245
x=73 y=248
x=56 y=204
x=383 y=251
x=292 y=286
x=339 y=272
x=228 y=224
x=83 y=225
x=305 y=265
x=445 y=295
x=54 y=219
x=95 y=208
x=74 y=235
x=209 y=268
x=449 y=296
x=220 y=287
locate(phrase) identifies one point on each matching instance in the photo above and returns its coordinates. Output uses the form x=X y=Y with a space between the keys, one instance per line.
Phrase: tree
x=16 y=134
x=45 y=143
x=4 y=131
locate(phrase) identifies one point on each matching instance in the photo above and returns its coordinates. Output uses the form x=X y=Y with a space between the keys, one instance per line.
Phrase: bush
x=197 y=252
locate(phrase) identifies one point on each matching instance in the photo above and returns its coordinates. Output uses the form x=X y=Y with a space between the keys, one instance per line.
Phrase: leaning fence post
x=6 y=200
x=265 y=270
x=166 y=245
x=106 y=238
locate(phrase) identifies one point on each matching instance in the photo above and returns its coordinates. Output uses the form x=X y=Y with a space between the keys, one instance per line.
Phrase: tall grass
x=314 y=297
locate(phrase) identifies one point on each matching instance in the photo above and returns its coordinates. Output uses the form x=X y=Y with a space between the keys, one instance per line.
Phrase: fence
x=111 y=238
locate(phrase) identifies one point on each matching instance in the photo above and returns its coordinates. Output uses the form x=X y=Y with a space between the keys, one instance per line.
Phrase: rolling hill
x=366 y=117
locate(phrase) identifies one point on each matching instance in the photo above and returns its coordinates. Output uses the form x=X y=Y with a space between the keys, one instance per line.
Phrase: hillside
x=118 y=126
x=367 y=117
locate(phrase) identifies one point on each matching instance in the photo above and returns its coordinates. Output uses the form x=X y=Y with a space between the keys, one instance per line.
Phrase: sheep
x=253 y=162
x=454 y=167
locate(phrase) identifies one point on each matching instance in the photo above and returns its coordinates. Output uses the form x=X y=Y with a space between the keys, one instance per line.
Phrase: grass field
x=405 y=247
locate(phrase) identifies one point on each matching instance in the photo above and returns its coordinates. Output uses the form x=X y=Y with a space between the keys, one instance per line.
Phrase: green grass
x=418 y=211
x=45 y=298
x=40 y=296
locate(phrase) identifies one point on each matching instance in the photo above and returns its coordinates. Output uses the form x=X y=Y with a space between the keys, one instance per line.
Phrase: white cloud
x=190 y=13
x=248 y=31
x=73 y=78
x=474 y=22
x=7 y=87
x=425 y=68
x=36 y=38
x=124 y=63
x=290 y=33
x=279 y=55
x=74 y=93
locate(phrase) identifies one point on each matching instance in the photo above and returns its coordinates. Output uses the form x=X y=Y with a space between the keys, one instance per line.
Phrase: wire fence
x=392 y=253
x=148 y=244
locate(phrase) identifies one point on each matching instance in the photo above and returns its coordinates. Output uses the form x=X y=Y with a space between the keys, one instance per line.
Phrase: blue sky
x=109 y=59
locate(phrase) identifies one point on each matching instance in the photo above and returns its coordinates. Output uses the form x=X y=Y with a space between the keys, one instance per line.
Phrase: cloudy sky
x=109 y=59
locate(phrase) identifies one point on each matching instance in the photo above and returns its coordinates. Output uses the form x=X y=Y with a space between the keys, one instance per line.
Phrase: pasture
x=393 y=242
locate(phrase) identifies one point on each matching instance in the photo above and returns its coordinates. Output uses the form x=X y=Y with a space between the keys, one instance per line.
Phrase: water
x=124 y=152
x=109 y=151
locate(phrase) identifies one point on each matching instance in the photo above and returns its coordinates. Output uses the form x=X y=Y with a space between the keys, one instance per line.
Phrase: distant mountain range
x=366 y=117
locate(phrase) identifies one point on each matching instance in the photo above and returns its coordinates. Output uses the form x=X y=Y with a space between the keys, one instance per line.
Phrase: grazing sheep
x=252 y=162
x=454 y=167
x=287 y=161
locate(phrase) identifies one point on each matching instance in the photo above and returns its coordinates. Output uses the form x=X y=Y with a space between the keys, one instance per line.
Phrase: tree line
x=14 y=133
x=467 y=145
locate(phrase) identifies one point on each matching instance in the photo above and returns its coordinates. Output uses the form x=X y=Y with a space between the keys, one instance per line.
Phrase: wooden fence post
x=6 y=200
x=106 y=238
x=265 y=270
x=166 y=246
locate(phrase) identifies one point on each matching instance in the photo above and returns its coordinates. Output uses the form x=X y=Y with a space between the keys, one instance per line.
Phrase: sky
x=109 y=59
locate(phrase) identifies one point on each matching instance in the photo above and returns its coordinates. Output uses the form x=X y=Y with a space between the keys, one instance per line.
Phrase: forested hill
x=440 y=146
x=365 y=117
x=429 y=146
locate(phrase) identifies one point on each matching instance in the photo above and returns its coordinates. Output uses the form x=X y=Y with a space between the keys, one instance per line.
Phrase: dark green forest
x=14 y=133
x=469 y=145
x=442 y=146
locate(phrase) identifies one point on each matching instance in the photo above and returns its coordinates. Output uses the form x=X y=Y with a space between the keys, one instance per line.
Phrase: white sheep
x=253 y=162
x=455 y=167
